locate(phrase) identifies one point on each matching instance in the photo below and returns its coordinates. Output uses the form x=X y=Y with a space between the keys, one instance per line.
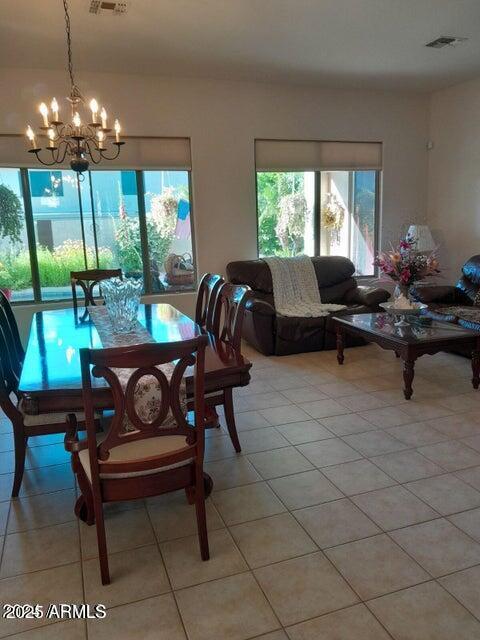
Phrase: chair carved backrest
x=124 y=368
x=7 y=310
x=87 y=280
x=9 y=379
x=206 y=298
x=10 y=351
x=229 y=313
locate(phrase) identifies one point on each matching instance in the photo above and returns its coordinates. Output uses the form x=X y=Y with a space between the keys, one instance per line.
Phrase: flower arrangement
x=404 y=265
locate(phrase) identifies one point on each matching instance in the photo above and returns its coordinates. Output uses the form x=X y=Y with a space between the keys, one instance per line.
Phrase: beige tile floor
x=349 y=514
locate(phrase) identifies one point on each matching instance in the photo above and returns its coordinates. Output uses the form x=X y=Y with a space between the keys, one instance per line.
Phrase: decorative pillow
x=476 y=300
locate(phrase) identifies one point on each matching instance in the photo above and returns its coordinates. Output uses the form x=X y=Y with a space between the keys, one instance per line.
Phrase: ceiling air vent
x=445 y=41
x=104 y=6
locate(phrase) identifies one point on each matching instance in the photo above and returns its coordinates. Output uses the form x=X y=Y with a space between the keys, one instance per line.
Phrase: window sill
x=147 y=297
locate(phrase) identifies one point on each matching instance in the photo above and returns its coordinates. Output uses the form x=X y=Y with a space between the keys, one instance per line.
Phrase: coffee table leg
x=408 y=373
x=476 y=368
x=340 y=346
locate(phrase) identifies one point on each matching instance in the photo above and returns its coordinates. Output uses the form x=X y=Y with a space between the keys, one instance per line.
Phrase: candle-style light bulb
x=117 y=128
x=94 y=110
x=44 y=111
x=31 y=136
x=103 y=116
x=101 y=139
x=76 y=120
x=54 y=107
x=51 y=139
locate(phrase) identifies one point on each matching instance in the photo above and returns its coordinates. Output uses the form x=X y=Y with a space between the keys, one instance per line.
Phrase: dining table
x=51 y=379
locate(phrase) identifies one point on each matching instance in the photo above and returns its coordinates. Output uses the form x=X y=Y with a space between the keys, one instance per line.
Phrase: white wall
x=223 y=119
x=454 y=175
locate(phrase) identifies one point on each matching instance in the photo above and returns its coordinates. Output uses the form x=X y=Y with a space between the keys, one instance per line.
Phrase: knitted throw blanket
x=295 y=288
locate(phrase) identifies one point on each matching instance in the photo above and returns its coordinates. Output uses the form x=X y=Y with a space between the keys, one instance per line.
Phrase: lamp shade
x=421 y=235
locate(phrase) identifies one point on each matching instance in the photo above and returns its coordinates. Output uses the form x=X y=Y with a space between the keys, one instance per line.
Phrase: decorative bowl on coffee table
x=400 y=314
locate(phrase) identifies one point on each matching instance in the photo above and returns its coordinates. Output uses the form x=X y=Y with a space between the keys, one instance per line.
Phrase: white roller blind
x=299 y=155
x=136 y=153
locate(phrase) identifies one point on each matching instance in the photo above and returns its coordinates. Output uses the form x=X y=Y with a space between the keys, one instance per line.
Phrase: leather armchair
x=459 y=303
x=464 y=293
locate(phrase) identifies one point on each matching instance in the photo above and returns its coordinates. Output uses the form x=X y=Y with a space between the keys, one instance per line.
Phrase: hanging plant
x=11 y=213
x=291 y=222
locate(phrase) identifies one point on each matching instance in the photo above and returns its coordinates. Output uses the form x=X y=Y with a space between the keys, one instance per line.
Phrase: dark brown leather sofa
x=458 y=303
x=273 y=334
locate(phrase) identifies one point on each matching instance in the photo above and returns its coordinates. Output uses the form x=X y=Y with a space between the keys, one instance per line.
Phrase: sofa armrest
x=444 y=294
x=260 y=306
x=366 y=296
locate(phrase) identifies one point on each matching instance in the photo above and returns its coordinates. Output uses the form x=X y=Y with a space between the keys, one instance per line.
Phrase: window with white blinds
x=306 y=155
x=133 y=213
x=320 y=198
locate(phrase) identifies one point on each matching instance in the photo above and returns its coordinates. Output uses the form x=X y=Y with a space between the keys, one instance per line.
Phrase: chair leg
x=201 y=518
x=230 y=419
x=20 y=448
x=102 y=541
x=190 y=493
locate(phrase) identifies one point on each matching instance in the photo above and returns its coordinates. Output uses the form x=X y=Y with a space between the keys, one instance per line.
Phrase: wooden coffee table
x=409 y=343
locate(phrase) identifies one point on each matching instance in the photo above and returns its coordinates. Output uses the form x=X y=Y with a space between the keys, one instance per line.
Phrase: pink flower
x=405 y=275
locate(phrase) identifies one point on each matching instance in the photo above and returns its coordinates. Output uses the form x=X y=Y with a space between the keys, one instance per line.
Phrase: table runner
x=147 y=392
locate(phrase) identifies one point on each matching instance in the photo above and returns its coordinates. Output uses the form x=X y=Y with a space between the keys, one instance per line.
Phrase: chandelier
x=84 y=141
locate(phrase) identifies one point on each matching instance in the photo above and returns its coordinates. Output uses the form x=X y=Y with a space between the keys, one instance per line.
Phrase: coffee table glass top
x=382 y=324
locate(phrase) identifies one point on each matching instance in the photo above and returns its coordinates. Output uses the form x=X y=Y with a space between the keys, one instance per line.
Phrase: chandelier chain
x=75 y=92
x=84 y=142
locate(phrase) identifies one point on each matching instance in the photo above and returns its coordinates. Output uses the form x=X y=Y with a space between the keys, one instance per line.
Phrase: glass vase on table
x=122 y=299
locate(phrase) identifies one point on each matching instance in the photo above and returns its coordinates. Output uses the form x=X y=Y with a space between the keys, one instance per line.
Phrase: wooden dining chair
x=159 y=451
x=87 y=280
x=206 y=298
x=13 y=332
x=227 y=325
x=23 y=425
x=204 y=310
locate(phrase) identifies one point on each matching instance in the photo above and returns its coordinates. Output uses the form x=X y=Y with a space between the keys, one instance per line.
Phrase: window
x=51 y=223
x=347 y=214
x=15 y=270
x=319 y=212
x=285 y=213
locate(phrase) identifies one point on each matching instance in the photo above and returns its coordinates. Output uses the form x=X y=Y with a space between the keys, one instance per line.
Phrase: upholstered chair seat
x=138 y=450
x=42 y=419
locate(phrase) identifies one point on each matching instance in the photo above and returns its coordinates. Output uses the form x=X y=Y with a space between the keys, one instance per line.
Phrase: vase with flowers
x=406 y=266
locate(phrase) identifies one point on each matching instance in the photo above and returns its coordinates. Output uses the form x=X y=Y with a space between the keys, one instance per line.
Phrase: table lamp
x=421 y=234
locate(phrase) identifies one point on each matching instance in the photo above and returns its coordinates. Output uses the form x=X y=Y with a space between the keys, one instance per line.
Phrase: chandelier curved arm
x=57 y=158
x=105 y=157
x=91 y=152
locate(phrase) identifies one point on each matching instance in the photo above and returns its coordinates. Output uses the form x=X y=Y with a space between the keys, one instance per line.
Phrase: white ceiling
x=340 y=43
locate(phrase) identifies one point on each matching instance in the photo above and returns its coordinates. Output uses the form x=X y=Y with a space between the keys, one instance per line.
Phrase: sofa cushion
x=468 y=288
x=296 y=335
x=331 y=270
x=471 y=270
x=335 y=294
x=254 y=273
